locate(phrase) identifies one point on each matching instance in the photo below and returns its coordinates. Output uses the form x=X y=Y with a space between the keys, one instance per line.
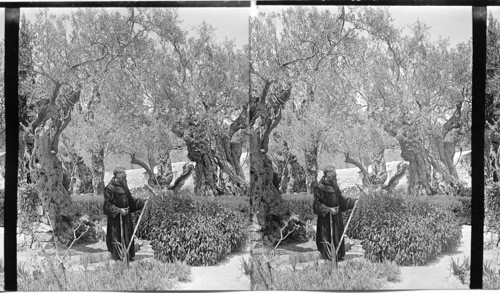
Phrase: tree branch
x=134 y=160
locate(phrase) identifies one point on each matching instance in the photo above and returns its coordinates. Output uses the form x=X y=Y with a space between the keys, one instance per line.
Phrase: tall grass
x=358 y=274
x=146 y=275
x=491 y=274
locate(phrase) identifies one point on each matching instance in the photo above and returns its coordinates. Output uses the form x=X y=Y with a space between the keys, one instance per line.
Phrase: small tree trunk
x=378 y=175
x=84 y=174
x=187 y=170
x=97 y=160
x=297 y=174
x=366 y=178
x=280 y=161
x=400 y=172
x=165 y=173
x=311 y=158
x=151 y=175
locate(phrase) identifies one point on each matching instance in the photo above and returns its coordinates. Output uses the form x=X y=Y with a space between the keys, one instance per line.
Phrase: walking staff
x=140 y=216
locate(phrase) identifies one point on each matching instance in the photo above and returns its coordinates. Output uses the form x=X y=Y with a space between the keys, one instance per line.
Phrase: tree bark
x=97 y=163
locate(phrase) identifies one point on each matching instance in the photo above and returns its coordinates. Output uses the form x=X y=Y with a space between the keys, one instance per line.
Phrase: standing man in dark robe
x=118 y=204
x=329 y=202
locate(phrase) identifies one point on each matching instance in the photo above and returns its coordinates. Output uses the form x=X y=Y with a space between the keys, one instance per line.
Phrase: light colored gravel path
x=227 y=275
x=437 y=275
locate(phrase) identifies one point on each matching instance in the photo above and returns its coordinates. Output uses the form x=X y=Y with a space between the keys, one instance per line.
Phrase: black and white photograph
x=360 y=118
x=239 y=146
x=133 y=153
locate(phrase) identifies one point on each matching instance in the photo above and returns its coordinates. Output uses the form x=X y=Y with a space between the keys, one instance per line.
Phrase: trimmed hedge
x=198 y=232
x=407 y=230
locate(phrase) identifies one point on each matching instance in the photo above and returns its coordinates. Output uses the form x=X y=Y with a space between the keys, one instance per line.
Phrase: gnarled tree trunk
x=419 y=175
x=265 y=200
x=45 y=167
x=216 y=157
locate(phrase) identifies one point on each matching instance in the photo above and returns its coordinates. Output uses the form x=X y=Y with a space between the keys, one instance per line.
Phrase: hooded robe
x=328 y=195
x=117 y=196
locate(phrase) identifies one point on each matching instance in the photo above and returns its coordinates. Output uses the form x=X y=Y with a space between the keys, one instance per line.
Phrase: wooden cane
x=334 y=257
x=140 y=217
x=123 y=240
x=346 y=226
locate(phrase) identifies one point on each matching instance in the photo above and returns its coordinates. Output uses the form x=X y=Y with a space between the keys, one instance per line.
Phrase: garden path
x=227 y=275
x=436 y=275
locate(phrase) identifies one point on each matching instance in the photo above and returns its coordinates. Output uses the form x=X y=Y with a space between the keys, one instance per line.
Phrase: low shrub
x=148 y=276
x=356 y=275
x=459 y=205
x=407 y=230
x=197 y=232
x=239 y=204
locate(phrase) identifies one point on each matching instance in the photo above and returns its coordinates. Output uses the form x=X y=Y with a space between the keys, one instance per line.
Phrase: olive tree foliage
x=199 y=87
x=71 y=56
x=419 y=91
x=116 y=100
x=492 y=107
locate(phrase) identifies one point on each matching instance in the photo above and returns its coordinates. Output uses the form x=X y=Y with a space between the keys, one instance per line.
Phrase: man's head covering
x=329 y=169
x=118 y=170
